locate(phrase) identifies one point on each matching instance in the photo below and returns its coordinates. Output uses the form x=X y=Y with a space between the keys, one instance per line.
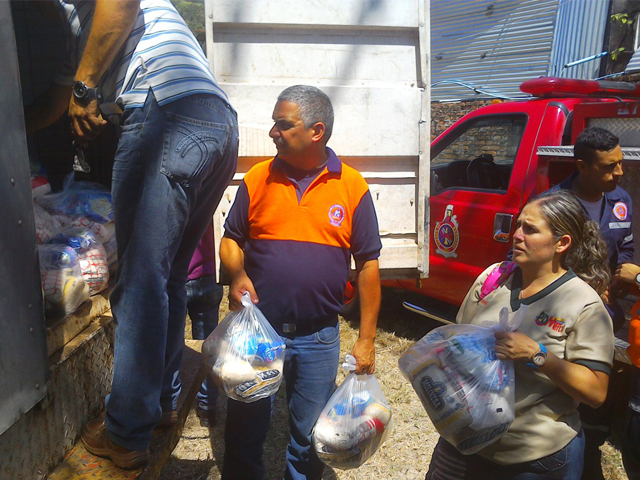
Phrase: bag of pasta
x=467 y=392
x=245 y=355
x=354 y=423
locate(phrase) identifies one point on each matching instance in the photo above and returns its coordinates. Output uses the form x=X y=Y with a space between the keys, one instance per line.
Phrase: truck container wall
x=371 y=57
x=23 y=356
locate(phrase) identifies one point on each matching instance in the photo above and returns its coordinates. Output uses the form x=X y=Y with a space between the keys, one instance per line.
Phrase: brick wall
x=443 y=115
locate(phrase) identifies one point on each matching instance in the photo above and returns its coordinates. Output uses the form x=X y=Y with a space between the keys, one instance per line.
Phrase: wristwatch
x=638 y=280
x=539 y=358
x=83 y=93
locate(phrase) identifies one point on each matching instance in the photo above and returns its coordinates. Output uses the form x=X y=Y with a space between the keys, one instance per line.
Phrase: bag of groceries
x=467 y=392
x=245 y=355
x=354 y=423
x=92 y=256
x=86 y=199
x=62 y=281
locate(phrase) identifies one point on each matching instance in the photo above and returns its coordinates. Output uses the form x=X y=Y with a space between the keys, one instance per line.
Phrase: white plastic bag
x=245 y=354
x=64 y=288
x=354 y=423
x=467 y=392
x=47 y=226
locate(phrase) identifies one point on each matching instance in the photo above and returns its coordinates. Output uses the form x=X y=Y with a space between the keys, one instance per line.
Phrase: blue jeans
x=447 y=463
x=170 y=171
x=203 y=304
x=310 y=368
x=631 y=435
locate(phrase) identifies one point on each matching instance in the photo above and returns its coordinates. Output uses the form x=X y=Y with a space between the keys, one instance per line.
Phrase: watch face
x=539 y=359
x=79 y=89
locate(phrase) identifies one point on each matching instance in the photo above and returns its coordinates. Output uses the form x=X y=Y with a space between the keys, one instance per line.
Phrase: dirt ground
x=407 y=451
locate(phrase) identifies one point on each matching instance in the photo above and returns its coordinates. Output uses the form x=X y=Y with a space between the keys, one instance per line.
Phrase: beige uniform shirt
x=568 y=318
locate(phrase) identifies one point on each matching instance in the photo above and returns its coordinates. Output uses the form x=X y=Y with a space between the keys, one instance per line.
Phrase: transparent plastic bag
x=355 y=422
x=47 y=226
x=105 y=232
x=62 y=282
x=92 y=256
x=467 y=392
x=85 y=199
x=245 y=354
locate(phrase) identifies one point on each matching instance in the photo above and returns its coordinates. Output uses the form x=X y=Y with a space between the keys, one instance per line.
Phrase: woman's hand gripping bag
x=354 y=423
x=245 y=355
x=467 y=392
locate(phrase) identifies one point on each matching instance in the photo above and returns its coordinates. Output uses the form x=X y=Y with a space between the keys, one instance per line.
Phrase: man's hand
x=364 y=352
x=240 y=284
x=86 y=122
x=627 y=272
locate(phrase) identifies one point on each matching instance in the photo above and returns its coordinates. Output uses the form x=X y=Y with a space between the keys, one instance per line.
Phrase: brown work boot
x=95 y=440
x=168 y=419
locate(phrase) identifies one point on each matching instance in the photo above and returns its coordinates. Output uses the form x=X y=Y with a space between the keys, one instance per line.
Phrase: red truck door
x=478 y=172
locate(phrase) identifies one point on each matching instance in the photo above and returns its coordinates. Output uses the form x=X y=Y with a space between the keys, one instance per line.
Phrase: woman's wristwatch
x=638 y=280
x=539 y=358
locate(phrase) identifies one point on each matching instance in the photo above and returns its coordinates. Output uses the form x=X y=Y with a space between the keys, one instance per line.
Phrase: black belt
x=306 y=328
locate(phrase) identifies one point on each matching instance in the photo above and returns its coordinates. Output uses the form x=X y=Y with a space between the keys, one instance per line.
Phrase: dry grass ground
x=404 y=456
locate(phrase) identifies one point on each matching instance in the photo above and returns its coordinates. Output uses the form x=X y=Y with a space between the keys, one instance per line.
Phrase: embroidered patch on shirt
x=556 y=324
x=620 y=211
x=336 y=215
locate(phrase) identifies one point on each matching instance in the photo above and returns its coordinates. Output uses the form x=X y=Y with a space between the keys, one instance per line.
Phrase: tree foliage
x=193 y=13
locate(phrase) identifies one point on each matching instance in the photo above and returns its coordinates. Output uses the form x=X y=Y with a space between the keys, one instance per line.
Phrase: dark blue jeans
x=203 y=305
x=447 y=463
x=170 y=171
x=631 y=436
x=310 y=368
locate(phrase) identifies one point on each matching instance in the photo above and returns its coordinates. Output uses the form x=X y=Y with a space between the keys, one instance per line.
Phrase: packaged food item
x=92 y=256
x=47 y=226
x=245 y=355
x=39 y=186
x=467 y=392
x=62 y=282
x=355 y=422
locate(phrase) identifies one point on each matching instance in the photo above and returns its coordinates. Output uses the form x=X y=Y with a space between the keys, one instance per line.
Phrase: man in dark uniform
x=598 y=159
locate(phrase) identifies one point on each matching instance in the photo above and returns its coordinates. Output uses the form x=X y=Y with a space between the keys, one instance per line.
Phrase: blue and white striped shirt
x=161 y=53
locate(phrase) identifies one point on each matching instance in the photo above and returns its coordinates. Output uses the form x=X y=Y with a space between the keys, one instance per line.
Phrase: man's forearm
x=369 y=293
x=232 y=257
x=47 y=108
x=112 y=24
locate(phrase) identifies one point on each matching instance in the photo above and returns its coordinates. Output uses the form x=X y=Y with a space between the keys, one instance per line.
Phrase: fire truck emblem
x=446 y=234
x=620 y=211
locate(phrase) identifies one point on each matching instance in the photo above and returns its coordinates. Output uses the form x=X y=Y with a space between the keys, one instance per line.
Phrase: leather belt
x=306 y=328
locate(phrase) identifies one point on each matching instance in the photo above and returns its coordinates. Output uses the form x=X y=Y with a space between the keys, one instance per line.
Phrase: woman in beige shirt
x=562 y=351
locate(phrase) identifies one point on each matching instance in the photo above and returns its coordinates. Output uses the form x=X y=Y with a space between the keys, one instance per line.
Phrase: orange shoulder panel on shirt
x=324 y=215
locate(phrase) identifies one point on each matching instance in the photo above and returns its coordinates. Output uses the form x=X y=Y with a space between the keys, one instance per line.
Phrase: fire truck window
x=478 y=155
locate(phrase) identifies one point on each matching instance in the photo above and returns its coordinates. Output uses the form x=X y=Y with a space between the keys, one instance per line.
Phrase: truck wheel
x=351 y=305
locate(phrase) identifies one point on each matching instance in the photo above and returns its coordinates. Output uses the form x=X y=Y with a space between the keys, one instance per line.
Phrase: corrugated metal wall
x=579 y=34
x=492 y=44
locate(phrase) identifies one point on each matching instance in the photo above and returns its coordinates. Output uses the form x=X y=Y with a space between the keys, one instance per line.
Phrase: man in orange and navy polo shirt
x=289 y=237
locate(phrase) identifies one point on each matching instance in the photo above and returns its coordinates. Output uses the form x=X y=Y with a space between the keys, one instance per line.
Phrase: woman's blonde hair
x=588 y=254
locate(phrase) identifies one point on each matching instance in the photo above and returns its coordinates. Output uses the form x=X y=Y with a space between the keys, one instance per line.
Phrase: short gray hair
x=315 y=106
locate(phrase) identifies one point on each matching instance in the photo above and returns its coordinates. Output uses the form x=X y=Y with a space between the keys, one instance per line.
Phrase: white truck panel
x=381 y=122
x=371 y=58
x=347 y=13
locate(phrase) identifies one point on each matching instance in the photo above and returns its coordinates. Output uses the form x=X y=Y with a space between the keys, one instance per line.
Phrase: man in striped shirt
x=176 y=154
